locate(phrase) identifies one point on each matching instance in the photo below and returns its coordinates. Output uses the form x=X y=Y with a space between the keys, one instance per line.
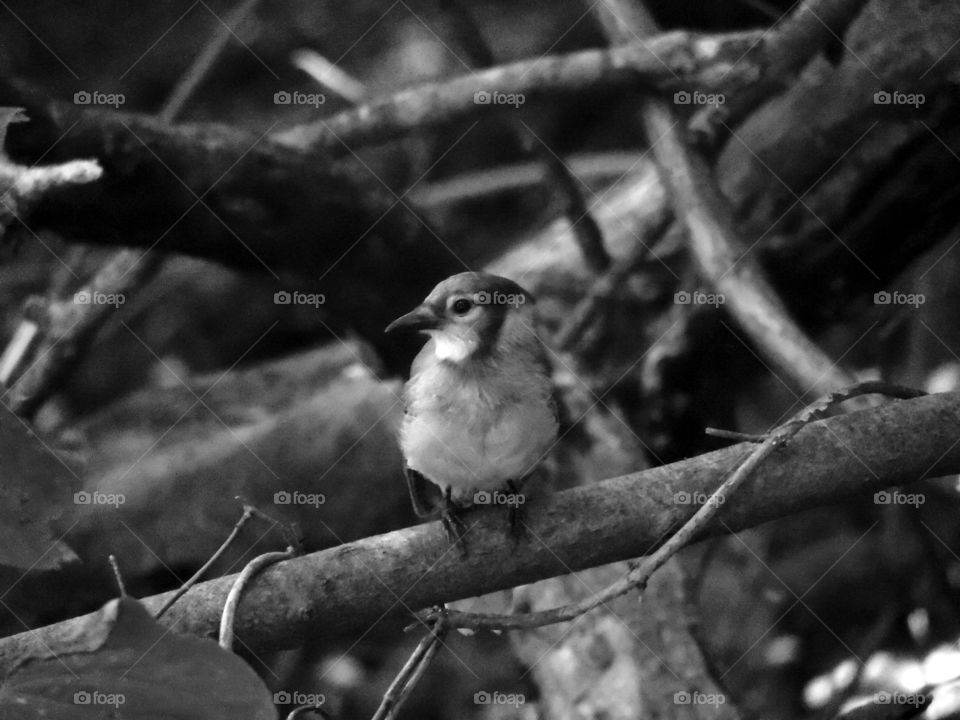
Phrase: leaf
x=122 y=663
x=35 y=485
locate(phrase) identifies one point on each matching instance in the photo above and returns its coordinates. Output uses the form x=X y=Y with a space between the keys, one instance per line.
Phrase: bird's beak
x=420 y=318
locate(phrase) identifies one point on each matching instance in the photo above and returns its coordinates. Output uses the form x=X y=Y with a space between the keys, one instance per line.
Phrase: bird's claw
x=453 y=525
x=515 y=512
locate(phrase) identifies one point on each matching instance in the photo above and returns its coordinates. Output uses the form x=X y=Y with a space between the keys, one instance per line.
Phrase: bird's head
x=466 y=314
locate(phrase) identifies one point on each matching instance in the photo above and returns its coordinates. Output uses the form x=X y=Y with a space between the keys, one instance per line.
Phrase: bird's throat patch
x=447 y=346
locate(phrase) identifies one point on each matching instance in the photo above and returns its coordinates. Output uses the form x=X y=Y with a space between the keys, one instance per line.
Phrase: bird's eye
x=462 y=306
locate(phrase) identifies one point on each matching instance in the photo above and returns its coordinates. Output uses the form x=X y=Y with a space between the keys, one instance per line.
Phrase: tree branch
x=667 y=62
x=638 y=577
x=708 y=216
x=350 y=587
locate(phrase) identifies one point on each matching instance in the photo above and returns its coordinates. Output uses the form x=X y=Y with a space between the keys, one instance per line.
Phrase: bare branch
x=346 y=588
x=667 y=62
x=639 y=576
x=708 y=217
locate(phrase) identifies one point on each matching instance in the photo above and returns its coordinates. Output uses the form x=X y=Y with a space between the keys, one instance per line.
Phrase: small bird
x=480 y=411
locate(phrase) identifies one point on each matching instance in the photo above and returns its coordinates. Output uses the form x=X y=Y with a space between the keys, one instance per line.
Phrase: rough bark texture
x=349 y=587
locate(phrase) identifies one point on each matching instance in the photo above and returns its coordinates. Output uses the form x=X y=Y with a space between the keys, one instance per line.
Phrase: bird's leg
x=416 y=497
x=452 y=523
x=515 y=510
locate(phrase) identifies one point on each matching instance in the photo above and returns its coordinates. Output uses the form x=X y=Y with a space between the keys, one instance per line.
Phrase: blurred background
x=206 y=382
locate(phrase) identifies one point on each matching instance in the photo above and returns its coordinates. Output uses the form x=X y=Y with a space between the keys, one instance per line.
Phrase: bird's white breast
x=475 y=432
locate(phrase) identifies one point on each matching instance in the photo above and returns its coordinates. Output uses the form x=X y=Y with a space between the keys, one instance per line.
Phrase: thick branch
x=667 y=62
x=708 y=216
x=347 y=588
x=815 y=26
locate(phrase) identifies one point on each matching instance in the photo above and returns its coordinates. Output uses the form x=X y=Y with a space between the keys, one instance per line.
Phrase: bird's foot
x=515 y=512
x=453 y=523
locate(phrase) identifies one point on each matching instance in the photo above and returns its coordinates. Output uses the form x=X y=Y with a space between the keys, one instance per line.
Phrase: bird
x=480 y=413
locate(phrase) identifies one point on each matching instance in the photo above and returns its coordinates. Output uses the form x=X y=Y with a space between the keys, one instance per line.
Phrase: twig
x=236 y=592
x=329 y=76
x=734 y=435
x=605 y=286
x=248 y=512
x=18 y=347
x=117 y=575
x=586 y=230
x=638 y=576
x=558 y=176
x=201 y=66
x=411 y=672
x=345 y=589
